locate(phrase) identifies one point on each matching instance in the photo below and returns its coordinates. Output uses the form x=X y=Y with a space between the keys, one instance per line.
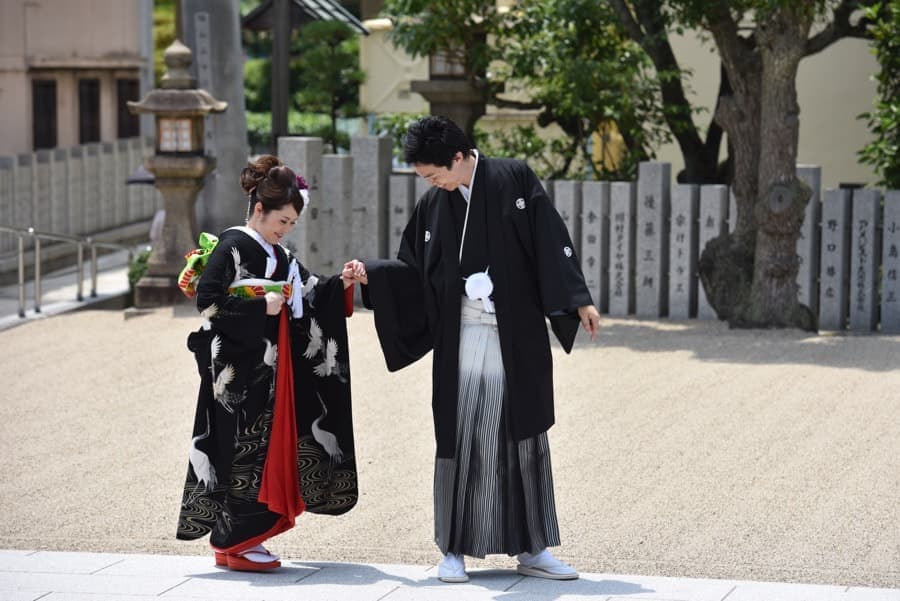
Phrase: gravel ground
x=681 y=449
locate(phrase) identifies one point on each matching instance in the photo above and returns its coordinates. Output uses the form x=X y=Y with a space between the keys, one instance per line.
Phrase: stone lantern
x=179 y=166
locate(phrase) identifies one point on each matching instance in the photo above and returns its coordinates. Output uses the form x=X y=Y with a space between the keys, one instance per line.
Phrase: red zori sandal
x=256 y=559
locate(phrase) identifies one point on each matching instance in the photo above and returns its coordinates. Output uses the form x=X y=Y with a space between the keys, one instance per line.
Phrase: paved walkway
x=55 y=576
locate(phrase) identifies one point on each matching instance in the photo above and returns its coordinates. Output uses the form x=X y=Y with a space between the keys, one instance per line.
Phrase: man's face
x=442 y=177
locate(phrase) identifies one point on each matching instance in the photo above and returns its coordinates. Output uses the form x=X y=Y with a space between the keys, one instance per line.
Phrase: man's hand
x=590 y=319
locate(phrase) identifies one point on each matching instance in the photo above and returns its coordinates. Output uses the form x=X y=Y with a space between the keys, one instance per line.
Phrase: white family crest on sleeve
x=520 y=203
x=427 y=235
x=567 y=250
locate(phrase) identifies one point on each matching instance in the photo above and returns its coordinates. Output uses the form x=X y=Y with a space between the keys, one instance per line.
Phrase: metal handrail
x=78 y=241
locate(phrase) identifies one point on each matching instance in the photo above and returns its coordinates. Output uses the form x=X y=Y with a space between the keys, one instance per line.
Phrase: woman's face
x=274 y=225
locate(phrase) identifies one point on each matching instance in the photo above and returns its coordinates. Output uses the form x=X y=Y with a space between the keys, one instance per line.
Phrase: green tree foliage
x=395 y=125
x=573 y=59
x=568 y=58
x=324 y=78
x=457 y=29
x=163 y=35
x=329 y=73
x=883 y=153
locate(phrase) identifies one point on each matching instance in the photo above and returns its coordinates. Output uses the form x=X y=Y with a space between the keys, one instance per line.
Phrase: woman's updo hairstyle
x=268 y=181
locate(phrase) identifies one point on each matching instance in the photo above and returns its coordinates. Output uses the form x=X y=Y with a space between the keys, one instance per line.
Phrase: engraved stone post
x=866 y=252
x=401 y=191
x=652 y=268
x=7 y=164
x=890 y=265
x=595 y=241
x=304 y=156
x=107 y=187
x=212 y=29
x=41 y=174
x=91 y=203
x=683 y=251
x=568 y=205
x=808 y=243
x=76 y=185
x=23 y=185
x=713 y=207
x=835 y=260
x=337 y=206
x=59 y=191
x=371 y=173
x=621 y=248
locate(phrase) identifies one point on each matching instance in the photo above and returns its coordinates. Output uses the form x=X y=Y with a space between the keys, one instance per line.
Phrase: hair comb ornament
x=304 y=191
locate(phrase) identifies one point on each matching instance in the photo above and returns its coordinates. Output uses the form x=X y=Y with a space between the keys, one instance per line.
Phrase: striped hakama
x=496 y=494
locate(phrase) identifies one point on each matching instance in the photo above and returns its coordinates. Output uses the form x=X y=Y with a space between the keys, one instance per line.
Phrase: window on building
x=43 y=113
x=129 y=126
x=88 y=110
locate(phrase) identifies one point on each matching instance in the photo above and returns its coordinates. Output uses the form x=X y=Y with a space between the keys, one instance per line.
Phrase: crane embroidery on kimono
x=327 y=440
x=200 y=463
x=330 y=365
x=315 y=340
x=240 y=272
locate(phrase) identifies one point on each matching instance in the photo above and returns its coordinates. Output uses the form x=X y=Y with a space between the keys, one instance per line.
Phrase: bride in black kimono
x=272 y=431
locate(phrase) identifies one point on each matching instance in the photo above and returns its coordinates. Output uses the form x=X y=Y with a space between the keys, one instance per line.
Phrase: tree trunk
x=750 y=276
x=781 y=197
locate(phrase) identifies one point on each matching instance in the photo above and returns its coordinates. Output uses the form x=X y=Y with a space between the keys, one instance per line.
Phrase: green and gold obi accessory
x=195 y=261
x=252 y=288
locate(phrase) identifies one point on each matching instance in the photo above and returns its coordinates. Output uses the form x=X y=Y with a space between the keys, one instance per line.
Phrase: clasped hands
x=354 y=272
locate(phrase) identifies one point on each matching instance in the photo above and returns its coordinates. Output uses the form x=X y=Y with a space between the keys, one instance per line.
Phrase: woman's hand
x=590 y=319
x=274 y=301
x=354 y=271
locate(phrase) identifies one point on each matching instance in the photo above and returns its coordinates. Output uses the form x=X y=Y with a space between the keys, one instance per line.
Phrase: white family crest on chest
x=427 y=235
x=520 y=203
x=567 y=250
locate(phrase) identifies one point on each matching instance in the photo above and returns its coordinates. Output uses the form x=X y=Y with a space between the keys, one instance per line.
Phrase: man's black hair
x=435 y=140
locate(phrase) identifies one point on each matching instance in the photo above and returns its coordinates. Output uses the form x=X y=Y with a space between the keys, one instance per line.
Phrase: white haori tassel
x=479 y=287
x=296 y=302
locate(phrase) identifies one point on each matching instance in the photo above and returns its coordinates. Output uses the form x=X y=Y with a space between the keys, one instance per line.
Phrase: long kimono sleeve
x=320 y=355
x=395 y=294
x=560 y=279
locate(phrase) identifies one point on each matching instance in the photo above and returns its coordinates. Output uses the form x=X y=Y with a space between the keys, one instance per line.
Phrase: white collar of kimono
x=466 y=192
x=272 y=259
x=294 y=278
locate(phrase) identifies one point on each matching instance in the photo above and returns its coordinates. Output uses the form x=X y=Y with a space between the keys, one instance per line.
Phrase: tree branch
x=839 y=27
x=632 y=28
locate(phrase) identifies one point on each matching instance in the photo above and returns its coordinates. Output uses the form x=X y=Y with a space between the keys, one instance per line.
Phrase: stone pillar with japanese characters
x=335 y=214
x=371 y=175
x=305 y=156
x=621 y=247
x=890 y=264
x=683 y=251
x=808 y=242
x=866 y=252
x=401 y=198
x=595 y=240
x=568 y=205
x=713 y=210
x=834 y=260
x=652 y=261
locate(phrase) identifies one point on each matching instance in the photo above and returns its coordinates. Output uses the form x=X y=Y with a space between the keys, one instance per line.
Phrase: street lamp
x=179 y=167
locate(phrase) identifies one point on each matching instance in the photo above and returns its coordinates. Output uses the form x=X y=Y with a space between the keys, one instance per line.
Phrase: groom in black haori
x=484 y=260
